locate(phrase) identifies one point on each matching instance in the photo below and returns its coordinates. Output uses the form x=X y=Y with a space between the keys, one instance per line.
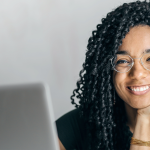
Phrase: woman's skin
x=137 y=106
x=60 y=145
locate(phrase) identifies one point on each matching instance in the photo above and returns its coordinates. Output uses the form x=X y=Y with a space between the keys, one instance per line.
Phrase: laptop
x=26 y=118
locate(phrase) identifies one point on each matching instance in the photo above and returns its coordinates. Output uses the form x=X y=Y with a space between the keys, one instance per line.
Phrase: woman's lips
x=138 y=92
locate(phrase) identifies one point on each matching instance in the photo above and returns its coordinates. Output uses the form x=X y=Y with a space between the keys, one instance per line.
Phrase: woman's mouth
x=138 y=90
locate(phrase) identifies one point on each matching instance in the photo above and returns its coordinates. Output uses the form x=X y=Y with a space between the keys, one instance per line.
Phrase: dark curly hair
x=104 y=121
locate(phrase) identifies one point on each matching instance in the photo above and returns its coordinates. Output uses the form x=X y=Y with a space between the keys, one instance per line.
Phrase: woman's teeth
x=139 y=88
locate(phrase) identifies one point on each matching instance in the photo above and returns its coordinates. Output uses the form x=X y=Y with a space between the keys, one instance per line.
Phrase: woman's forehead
x=136 y=41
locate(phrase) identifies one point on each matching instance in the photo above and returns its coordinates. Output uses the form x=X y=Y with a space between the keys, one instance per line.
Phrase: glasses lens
x=122 y=63
x=146 y=61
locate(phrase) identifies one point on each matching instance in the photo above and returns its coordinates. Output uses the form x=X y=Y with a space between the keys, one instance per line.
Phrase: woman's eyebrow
x=123 y=52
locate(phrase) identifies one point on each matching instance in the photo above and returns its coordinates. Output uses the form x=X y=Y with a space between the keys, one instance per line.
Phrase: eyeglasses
x=123 y=63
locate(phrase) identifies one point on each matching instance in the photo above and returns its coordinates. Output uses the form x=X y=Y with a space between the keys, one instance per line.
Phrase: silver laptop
x=26 y=118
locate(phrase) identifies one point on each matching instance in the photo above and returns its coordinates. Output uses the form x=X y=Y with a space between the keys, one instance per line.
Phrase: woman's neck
x=131 y=116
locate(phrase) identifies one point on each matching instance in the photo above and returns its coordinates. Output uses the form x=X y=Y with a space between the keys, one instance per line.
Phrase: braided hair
x=105 y=122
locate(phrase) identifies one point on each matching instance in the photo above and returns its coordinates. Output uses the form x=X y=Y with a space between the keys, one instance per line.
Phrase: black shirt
x=71 y=131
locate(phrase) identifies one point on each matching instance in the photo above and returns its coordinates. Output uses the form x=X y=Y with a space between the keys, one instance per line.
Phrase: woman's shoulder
x=71 y=114
x=71 y=129
x=71 y=118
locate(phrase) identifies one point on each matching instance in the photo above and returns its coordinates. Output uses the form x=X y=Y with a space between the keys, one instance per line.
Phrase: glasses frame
x=131 y=64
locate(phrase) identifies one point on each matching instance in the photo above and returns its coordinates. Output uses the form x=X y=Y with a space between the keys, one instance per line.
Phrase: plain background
x=45 y=41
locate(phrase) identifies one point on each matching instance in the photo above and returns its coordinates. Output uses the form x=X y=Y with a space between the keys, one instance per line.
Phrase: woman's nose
x=138 y=71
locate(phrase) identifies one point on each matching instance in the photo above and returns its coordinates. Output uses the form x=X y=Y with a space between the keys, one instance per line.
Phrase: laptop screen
x=26 y=116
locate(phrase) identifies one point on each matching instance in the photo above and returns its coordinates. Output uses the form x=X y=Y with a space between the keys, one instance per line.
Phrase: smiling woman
x=113 y=90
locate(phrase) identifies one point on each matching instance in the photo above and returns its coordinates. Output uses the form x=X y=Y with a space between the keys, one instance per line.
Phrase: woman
x=113 y=90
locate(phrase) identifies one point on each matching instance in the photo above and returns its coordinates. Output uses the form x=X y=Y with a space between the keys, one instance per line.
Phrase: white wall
x=45 y=40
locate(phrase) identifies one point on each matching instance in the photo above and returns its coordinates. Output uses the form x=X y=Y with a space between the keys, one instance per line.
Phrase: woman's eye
x=148 y=59
x=121 y=61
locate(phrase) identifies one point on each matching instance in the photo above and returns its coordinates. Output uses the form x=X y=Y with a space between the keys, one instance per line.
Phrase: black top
x=71 y=131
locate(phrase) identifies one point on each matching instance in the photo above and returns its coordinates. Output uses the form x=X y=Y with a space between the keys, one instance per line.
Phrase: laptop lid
x=26 y=118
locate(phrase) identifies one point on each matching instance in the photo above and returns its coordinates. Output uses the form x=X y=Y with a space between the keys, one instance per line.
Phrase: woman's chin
x=139 y=105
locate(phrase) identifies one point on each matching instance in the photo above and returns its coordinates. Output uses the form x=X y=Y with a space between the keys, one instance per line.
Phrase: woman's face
x=135 y=43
